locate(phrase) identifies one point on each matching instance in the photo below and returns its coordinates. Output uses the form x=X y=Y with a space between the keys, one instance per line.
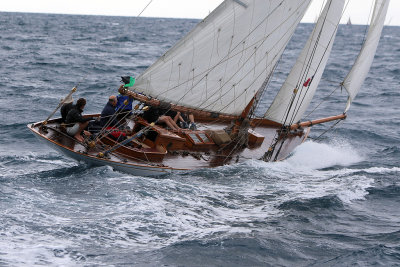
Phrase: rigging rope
x=331 y=40
x=323 y=100
x=368 y=20
x=299 y=102
x=101 y=146
x=223 y=60
x=329 y=129
x=229 y=56
x=261 y=92
x=308 y=68
x=267 y=156
x=104 y=132
x=144 y=8
x=226 y=58
x=137 y=135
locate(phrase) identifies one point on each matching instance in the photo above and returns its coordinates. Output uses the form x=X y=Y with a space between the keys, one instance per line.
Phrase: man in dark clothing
x=110 y=121
x=75 y=122
x=65 y=109
x=108 y=113
x=156 y=114
x=151 y=114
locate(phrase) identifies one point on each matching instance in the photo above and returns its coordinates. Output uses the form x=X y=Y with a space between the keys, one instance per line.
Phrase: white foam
x=302 y=176
x=22 y=248
x=382 y=170
x=313 y=155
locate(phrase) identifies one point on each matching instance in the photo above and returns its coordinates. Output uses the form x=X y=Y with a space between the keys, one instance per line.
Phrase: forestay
x=221 y=64
x=360 y=69
x=299 y=88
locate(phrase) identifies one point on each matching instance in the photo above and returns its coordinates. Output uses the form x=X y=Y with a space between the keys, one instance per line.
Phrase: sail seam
x=229 y=57
x=251 y=70
x=225 y=59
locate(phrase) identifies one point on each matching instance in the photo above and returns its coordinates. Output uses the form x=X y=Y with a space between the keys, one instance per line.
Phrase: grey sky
x=357 y=10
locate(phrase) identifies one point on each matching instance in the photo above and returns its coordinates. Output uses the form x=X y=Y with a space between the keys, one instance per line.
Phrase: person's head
x=112 y=100
x=81 y=103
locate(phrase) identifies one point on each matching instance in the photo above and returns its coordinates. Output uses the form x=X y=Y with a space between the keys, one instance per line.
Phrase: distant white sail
x=360 y=69
x=305 y=75
x=221 y=64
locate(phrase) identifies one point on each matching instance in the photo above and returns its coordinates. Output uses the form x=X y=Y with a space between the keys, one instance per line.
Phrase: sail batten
x=299 y=88
x=356 y=76
x=221 y=64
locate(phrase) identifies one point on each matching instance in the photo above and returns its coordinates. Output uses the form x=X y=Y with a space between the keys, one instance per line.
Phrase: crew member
x=107 y=115
x=75 y=122
x=65 y=108
x=156 y=114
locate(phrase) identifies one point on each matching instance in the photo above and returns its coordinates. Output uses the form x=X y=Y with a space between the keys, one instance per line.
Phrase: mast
x=299 y=88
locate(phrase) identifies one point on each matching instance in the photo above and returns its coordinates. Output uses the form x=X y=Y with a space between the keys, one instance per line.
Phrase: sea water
x=334 y=202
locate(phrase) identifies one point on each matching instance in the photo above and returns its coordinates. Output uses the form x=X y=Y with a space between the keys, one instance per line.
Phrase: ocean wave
x=34 y=164
x=373 y=255
x=118 y=39
x=314 y=204
x=387 y=192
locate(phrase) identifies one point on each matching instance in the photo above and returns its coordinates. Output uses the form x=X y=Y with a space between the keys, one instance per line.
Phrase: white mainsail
x=222 y=63
x=299 y=88
x=360 y=69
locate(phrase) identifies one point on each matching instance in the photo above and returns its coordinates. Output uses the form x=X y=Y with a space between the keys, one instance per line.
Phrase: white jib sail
x=288 y=107
x=360 y=69
x=221 y=64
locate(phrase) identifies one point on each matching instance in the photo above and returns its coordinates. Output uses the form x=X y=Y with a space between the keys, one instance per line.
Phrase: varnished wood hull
x=92 y=160
x=136 y=153
x=180 y=158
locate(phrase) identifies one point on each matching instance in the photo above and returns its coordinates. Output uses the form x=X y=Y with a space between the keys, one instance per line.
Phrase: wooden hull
x=185 y=150
x=92 y=160
x=139 y=153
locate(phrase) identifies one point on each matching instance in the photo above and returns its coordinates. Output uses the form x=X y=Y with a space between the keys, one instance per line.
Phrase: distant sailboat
x=218 y=72
x=349 y=22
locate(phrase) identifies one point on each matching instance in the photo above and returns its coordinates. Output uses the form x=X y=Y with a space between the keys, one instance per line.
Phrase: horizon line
x=127 y=16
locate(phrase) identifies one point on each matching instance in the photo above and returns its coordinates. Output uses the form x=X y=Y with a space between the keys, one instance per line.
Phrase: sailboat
x=349 y=22
x=219 y=72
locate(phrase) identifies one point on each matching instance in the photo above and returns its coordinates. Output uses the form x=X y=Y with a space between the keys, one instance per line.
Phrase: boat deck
x=172 y=150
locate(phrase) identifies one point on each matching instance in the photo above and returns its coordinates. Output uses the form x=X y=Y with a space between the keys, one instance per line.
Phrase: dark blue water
x=335 y=202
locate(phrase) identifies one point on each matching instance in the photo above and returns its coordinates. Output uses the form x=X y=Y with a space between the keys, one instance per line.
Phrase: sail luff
x=220 y=65
x=356 y=76
x=299 y=88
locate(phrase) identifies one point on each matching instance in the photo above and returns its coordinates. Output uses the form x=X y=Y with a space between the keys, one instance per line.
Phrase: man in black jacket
x=75 y=122
x=65 y=109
